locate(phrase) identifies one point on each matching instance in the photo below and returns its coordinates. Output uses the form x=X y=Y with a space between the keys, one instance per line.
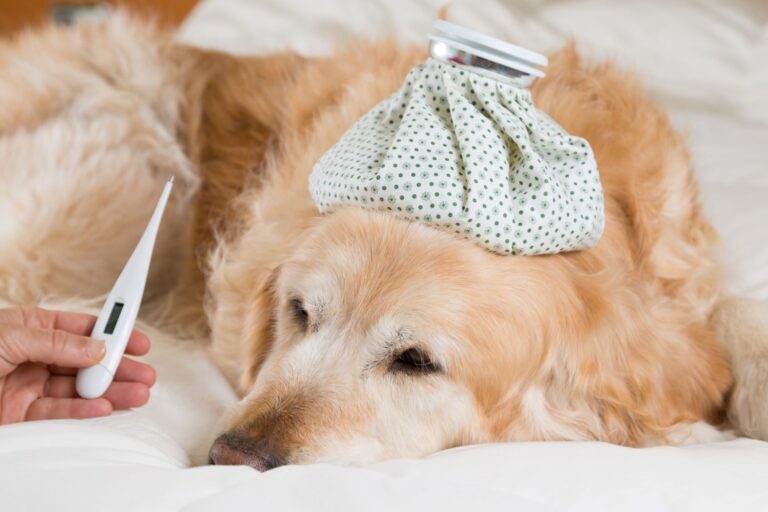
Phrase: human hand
x=40 y=352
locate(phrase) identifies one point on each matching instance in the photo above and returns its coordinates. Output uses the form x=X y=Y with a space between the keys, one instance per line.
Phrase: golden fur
x=613 y=344
x=610 y=343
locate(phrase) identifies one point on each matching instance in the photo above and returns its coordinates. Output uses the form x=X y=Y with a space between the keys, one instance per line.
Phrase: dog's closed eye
x=413 y=362
x=299 y=313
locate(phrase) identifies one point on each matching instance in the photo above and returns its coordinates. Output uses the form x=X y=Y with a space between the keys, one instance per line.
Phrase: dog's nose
x=231 y=449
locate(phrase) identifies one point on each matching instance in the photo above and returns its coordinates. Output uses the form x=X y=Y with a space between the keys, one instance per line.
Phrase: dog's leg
x=742 y=325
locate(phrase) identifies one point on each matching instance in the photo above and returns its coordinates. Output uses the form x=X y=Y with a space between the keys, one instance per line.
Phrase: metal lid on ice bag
x=453 y=43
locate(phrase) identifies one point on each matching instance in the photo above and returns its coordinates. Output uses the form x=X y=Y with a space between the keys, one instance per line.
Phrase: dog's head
x=381 y=338
x=385 y=338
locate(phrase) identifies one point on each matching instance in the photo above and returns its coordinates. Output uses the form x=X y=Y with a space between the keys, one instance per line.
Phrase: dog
x=357 y=336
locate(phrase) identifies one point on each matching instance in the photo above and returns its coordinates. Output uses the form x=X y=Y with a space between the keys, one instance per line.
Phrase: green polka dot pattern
x=471 y=155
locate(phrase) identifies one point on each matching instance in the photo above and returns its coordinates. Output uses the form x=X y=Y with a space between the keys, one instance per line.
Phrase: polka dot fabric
x=471 y=155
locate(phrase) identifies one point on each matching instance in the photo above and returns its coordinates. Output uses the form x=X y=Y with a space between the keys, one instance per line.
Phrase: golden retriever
x=357 y=336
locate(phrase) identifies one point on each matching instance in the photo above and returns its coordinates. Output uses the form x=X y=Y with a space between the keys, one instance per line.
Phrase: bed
x=704 y=61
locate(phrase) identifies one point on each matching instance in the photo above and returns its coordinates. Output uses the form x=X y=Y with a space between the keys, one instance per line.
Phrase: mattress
x=704 y=61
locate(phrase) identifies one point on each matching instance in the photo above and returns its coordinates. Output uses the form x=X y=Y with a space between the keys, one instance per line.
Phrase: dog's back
x=88 y=134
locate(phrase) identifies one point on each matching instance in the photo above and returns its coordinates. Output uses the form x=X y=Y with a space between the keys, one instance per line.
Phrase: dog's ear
x=260 y=324
x=226 y=133
x=228 y=129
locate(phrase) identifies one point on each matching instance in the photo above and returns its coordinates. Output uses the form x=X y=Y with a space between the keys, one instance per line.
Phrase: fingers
x=20 y=344
x=59 y=370
x=134 y=371
x=50 y=408
x=74 y=323
x=138 y=344
x=129 y=389
x=60 y=387
x=40 y=352
x=19 y=390
x=122 y=395
x=127 y=371
x=38 y=318
x=125 y=395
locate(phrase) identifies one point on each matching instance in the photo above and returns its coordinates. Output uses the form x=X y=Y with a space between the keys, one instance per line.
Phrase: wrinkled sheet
x=705 y=61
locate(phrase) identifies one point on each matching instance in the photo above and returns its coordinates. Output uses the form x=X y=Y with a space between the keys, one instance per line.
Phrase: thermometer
x=115 y=322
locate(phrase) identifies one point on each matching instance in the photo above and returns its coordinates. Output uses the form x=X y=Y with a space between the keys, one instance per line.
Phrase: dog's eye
x=299 y=313
x=414 y=361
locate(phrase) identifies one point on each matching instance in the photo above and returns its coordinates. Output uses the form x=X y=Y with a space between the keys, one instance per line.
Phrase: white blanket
x=706 y=62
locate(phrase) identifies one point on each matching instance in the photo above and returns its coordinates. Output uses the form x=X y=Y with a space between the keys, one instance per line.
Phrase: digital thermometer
x=115 y=322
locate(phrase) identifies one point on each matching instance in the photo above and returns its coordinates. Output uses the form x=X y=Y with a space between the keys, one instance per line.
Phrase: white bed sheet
x=705 y=61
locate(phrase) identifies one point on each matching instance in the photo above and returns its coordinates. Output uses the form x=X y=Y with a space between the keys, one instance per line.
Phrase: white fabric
x=705 y=62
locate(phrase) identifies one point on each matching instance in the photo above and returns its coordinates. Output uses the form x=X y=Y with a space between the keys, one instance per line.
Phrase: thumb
x=20 y=344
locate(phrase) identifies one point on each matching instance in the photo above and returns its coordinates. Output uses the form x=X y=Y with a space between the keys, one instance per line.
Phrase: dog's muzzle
x=232 y=449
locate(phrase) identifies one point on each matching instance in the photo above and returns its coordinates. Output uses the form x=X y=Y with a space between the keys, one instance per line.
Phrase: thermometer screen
x=113 y=317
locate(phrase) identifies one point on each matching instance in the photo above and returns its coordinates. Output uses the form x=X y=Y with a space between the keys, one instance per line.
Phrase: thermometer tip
x=170 y=178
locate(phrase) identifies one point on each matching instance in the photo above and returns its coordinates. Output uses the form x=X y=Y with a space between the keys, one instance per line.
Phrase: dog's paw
x=743 y=328
x=748 y=404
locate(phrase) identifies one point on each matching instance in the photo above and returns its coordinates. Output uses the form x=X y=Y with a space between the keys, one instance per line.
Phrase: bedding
x=701 y=60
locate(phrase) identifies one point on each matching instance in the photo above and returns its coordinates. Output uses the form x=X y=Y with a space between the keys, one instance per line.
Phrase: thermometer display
x=113 y=317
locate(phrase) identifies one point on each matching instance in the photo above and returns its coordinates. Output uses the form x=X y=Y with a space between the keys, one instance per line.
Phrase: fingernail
x=95 y=349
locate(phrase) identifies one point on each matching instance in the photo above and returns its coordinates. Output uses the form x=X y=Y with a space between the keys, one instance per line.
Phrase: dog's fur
x=309 y=314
